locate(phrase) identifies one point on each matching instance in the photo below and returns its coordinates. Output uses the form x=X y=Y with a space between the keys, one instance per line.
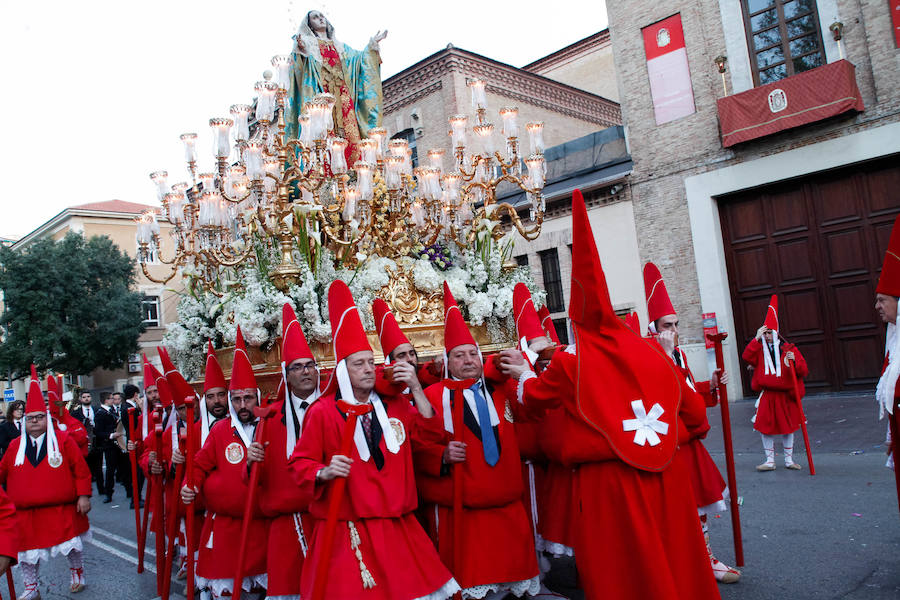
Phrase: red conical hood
x=528 y=324
x=242 y=376
x=633 y=322
x=658 y=303
x=772 y=314
x=293 y=342
x=547 y=324
x=179 y=387
x=456 y=332
x=34 y=402
x=53 y=396
x=889 y=282
x=214 y=376
x=389 y=333
x=150 y=374
x=589 y=301
x=625 y=389
x=346 y=328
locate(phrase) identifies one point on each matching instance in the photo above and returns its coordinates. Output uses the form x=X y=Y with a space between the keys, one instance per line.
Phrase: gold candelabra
x=295 y=195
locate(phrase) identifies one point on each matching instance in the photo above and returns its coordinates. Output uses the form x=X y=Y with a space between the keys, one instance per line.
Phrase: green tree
x=68 y=306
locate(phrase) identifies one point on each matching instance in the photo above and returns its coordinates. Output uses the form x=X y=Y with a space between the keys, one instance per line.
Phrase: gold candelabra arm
x=529 y=233
x=225 y=260
x=151 y=277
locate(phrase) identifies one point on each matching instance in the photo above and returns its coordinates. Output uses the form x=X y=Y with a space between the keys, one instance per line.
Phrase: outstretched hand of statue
x=301 y=47
x=380 y=35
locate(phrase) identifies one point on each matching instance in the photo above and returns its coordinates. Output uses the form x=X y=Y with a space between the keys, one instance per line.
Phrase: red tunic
x=220 y=472
x=644 y=540
x=557 y=499
x=778 y=412
x=286 y=505
x=379 y=503
x=75 y=430
x=9 y=531
x=496 y=531
x=45 y=497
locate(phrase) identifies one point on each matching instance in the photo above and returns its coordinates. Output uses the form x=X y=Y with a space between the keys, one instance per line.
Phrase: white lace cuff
x=520 y=389
x=516 y=588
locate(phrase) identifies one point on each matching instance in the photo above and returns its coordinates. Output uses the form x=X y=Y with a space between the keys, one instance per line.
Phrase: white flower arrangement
x=477 y=279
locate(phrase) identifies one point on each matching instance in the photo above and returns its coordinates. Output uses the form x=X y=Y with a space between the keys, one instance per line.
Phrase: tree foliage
x=69 y=306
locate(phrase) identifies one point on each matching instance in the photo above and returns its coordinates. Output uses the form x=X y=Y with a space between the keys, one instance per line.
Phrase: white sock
x=29 y=575
x=769 y=447
x=787 y=442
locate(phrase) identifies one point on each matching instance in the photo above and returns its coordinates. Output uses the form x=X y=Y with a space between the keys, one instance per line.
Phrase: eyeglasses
x=35 y=418
x=310 y=366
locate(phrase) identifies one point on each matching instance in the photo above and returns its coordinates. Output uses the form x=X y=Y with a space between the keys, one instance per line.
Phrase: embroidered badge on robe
x=646 y=425
x=55 y=460
x=399 y=430
x=234 y=453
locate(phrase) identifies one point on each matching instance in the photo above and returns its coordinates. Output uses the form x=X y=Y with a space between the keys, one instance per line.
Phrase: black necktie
x=19 y=426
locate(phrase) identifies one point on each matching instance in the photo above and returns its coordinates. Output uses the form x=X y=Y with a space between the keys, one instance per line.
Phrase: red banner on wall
x=667 y=67
x=895 y=20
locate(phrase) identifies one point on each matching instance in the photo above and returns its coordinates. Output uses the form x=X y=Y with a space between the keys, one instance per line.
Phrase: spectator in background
x=131 y=394
x=12 y=427
x=105 y=436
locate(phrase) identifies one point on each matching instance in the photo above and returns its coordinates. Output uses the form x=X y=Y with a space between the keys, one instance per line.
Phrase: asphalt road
x=835 y=535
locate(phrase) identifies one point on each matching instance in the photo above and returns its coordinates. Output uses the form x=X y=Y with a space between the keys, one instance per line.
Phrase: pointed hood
x=889 y=281
x=346 y=328
x=214 y=377
x=54 y=397
x=633 y=322
x=150 y=374
x=772 y=314
x=636 y=407
x=35 y=400
x=389 y=334
x=242 y=376
x=528 y=324
x=456 y=332
x=293 y=342
x=658 y=302
x=547 y=324
x=179 y=387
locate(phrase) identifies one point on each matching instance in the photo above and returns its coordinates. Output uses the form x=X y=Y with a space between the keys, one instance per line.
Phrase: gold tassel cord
x=367 y=580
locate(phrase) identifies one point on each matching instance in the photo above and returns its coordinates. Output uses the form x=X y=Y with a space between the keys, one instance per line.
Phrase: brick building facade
x=804 y=213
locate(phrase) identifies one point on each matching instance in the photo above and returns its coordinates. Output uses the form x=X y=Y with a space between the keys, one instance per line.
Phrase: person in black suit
x=131 y=393
x=86 y=414
x=105 y=436
x=12 y=427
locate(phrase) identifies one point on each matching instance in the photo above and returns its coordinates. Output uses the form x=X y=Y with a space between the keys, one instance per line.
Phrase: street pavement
x=832 y=536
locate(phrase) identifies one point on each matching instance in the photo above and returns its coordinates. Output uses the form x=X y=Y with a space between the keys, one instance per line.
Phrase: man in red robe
x=212 y=408
x=379 y=550
x=285 y=504
x=9 y=533
x=221 y=477
x=498 y=554
x=886 y=296
x=401 y=373
x=49 y=481
x=63 y=420
x=638 y=536
x=709 y=487
x=776 y=362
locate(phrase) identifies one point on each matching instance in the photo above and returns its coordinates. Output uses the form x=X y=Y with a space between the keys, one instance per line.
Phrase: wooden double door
x=818 y=243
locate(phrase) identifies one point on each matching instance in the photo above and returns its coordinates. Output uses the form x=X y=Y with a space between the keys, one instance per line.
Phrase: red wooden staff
x=135 y=494
x=142 y=538
x=812 y=467
x=353 y=412
x=458 y=489
x=191 y=515
x=892 y=423
x=10 y=584
x=159 y=511
x=263 y=411
x=172 y=523
x=717 y=339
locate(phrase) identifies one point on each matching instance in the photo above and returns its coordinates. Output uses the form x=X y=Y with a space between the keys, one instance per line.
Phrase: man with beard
x=286 y=504
x=400 y=374
x=213 y=408
x=221 y=476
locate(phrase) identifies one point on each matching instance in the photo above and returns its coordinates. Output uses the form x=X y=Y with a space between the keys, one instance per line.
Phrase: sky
x=96 y=93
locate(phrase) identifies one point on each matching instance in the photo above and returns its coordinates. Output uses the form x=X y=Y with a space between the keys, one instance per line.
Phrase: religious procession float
x=305 y=187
